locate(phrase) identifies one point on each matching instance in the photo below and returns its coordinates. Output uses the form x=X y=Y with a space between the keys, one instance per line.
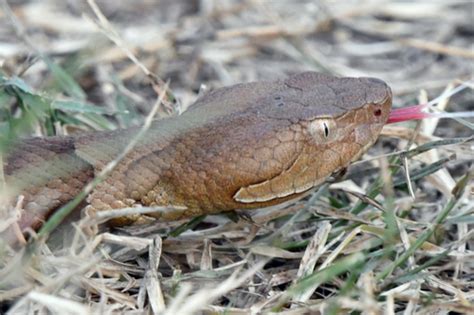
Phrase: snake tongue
x=414 y=112
x=417 y=112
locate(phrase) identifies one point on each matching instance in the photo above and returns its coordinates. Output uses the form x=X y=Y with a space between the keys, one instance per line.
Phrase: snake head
x=365 y=105
x=257 y=144
x=339 y=118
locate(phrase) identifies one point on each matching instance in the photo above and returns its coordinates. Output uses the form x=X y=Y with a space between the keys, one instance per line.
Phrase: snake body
x=245 y=146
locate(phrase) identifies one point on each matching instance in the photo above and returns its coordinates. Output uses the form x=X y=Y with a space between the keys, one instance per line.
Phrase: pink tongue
x=408 y=113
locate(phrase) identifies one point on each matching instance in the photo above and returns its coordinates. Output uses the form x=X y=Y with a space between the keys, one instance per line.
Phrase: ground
x=368 y=244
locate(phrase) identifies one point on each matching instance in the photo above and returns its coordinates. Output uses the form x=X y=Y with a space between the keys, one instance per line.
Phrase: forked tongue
x=421 y=111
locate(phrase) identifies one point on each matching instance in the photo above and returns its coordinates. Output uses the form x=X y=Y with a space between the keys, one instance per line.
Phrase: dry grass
x=371 y=244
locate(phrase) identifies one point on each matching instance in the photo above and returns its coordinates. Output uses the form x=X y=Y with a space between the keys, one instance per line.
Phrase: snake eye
x=322 y=130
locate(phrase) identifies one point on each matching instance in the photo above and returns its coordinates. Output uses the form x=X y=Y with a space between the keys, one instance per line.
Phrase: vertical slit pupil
x=326 y=130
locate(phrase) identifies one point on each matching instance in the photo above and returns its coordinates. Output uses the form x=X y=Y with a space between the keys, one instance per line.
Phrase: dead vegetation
x=371 y=244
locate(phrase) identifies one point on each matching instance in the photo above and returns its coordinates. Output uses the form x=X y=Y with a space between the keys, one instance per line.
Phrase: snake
x=246 y=146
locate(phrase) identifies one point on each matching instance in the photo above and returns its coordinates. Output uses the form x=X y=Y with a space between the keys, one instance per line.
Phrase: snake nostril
x=377 y=112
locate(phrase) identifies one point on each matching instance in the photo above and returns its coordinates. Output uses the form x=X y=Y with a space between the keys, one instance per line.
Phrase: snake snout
x=377 y=91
